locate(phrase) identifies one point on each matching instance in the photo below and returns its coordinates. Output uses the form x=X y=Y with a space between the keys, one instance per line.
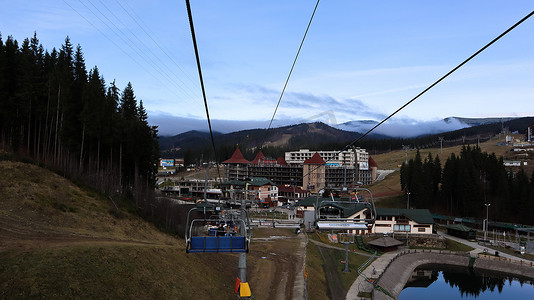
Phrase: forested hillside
x=195 y=147
x=55 y=111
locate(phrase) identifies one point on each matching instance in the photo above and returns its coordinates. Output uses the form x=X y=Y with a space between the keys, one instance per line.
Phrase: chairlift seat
x=217 y=244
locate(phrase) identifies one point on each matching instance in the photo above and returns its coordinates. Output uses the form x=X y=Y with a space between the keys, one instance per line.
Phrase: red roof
x=281 y=161
x=258 y=158
x=316 y=159
x=237 y=158
x=372 y=163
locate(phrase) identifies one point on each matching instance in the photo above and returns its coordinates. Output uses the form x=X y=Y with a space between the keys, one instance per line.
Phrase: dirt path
x=275 y=264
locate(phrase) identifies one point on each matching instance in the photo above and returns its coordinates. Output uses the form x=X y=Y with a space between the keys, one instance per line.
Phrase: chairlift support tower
x=225 y=230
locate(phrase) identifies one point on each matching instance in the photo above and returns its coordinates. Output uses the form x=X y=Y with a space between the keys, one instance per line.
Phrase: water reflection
x=422 y=278
x=438 y=282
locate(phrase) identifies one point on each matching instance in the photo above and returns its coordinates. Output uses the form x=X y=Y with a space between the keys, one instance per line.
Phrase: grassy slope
x=60 y=241
x=389 y=192
x=392 y=160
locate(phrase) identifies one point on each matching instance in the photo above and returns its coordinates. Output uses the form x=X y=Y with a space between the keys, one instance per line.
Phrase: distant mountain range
x=315 y=134
x=287 y=136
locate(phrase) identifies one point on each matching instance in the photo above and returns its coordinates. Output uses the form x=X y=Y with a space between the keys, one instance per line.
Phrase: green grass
x=111 y=272
x=65 y=245
x=355 y=261
x=391 y=202
x=315 y=267
x=511 y=251
x=456 y=246
x=316 y=281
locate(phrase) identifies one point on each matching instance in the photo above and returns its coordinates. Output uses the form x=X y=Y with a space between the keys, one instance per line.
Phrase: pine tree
x=55 y=111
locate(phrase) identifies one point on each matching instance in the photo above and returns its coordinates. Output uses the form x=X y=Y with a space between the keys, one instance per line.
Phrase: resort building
x=306 y=169
x=388 y=220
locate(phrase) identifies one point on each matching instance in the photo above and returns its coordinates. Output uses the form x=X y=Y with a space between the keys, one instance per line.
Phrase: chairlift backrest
x=363 y=213
x=229 y=231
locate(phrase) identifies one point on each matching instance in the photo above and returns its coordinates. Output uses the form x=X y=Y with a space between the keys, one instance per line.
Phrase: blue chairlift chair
x=231 y=236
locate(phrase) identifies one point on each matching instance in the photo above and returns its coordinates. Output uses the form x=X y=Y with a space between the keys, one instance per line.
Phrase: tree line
x=466 y=183
x=55 y=111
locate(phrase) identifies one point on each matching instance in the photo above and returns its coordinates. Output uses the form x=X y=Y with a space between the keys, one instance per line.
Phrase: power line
x=111 y=40
x=149 y=65
x=129 y=42
x=290 y=72
x=443 y=77
x=182 y=86
x=190 y=16
x=150 y=35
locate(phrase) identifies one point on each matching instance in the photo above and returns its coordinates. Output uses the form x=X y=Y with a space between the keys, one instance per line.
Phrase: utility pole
x=408 y=202
x=406 y=148
x=242 y=264
x=487 y=221
x=206 y=184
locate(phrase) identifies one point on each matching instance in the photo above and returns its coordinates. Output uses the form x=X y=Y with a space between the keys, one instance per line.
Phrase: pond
x=438 y=282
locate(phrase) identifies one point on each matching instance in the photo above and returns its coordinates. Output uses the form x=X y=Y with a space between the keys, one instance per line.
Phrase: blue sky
x=361 y=60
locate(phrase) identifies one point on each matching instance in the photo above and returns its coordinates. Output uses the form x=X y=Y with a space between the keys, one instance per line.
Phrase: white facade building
x=353 y=157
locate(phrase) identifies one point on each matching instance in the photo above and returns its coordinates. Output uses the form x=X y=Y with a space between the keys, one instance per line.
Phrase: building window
x=401 y=228
x=421 y=229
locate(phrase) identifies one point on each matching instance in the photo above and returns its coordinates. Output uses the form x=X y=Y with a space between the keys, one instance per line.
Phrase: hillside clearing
x=58 y=240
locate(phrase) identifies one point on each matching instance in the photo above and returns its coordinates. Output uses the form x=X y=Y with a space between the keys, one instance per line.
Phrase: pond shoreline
x=397 y=273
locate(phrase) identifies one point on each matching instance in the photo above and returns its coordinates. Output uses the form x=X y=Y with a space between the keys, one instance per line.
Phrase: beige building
x=313 y=170
x=393 y=220
x=388 y=220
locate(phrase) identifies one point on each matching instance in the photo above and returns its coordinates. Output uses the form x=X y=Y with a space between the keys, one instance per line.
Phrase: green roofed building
x=388 y=220
x=395 y=220
x=462 y=231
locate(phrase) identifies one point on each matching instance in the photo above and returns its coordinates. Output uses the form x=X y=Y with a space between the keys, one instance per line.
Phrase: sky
x=361 y=60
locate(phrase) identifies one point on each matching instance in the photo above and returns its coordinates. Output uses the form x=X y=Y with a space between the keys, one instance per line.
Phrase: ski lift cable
x=289 y=75
x=430 y=87
x=190 y=16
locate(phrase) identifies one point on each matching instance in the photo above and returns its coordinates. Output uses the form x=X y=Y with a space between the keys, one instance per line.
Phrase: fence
x=500 y=258
x=364 y=265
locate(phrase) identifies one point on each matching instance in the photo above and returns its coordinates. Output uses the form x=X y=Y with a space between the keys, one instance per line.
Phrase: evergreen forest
x=56 y=112
x=466 y=183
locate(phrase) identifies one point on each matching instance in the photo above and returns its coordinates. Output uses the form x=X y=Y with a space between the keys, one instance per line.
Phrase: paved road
x=372 y=271
x=478 y=248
